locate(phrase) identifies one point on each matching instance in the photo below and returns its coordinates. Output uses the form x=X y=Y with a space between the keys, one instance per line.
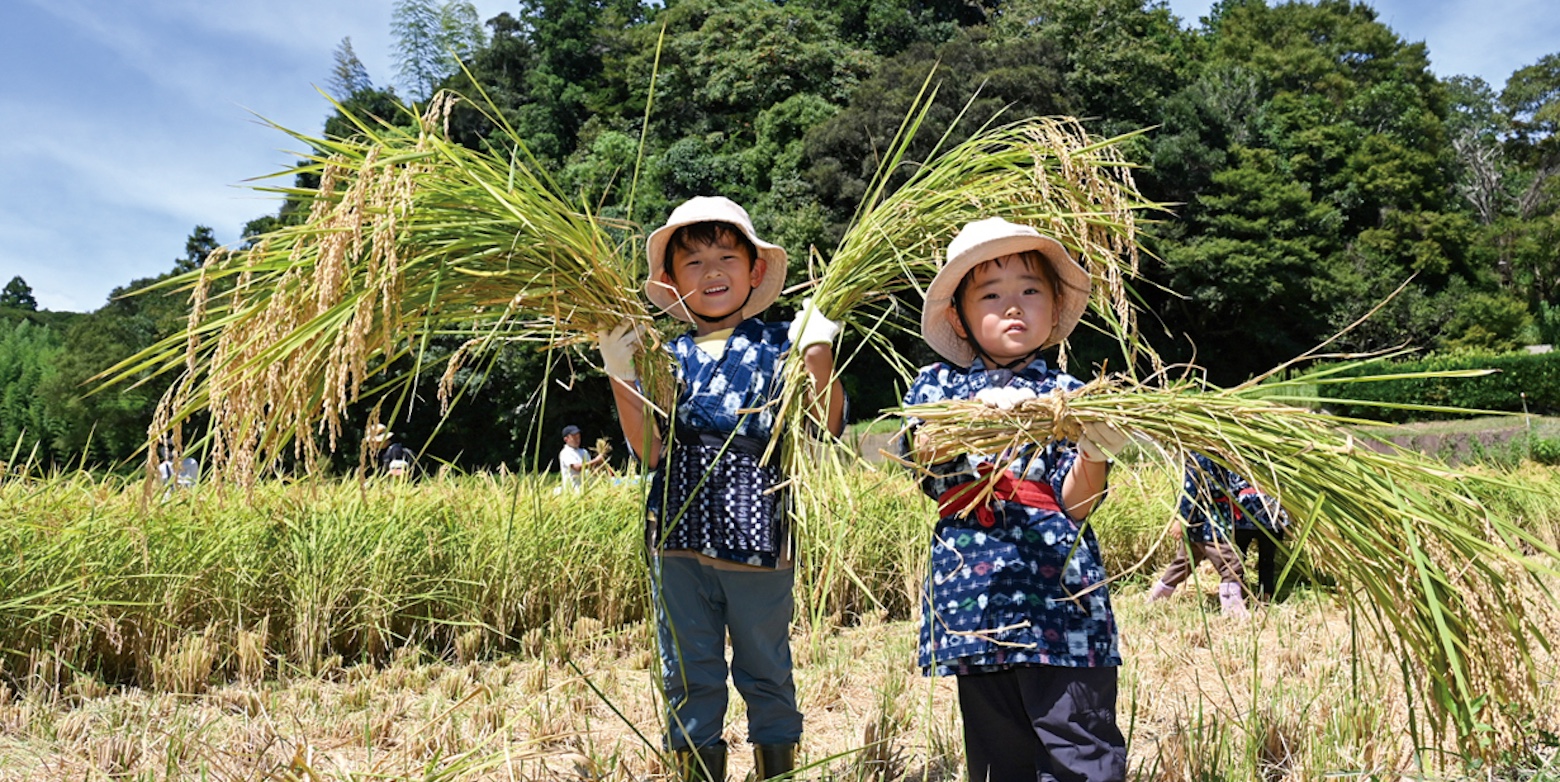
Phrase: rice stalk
x=408 y=236
x=1409 y=542
x=1046 y=172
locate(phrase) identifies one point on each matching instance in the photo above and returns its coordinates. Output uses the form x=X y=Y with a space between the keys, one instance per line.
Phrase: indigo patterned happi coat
x=711 y=491
x=1208 y=508
x=1014 y=584
x=1216 y=500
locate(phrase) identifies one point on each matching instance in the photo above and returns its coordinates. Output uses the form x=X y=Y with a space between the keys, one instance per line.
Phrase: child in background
x=717 y=515
x=1209 y=515
x=1263 y=521
x=1016 y=602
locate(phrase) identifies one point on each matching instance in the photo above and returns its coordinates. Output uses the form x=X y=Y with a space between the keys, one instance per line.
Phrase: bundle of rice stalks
x=408 y=236
x=1408 y=542
x=1046 y=172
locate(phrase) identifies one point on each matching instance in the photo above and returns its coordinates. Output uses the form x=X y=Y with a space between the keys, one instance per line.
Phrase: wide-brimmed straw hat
x=985 y=240
x=703 y=209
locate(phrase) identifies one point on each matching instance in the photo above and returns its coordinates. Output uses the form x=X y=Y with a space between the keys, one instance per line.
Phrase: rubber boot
x=773 y=760
x=706 y=764
x=1160 y=591
x=1232 y=601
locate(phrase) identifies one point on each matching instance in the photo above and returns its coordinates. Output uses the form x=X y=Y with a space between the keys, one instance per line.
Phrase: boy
x=1016 y=604
x=717 y=519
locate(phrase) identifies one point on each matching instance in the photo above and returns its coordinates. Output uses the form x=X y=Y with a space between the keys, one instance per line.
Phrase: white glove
x=1101 y=441
x=810 y=327
x=1003 y=398
x=617 y=350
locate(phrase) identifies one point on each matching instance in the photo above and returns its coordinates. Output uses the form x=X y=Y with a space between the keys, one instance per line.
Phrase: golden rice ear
x=407 y=235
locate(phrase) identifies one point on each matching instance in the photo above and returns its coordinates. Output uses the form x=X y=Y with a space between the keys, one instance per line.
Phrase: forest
x=1311 y=168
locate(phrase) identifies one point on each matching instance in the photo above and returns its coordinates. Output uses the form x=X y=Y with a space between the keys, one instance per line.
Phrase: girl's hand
x=1101 y=441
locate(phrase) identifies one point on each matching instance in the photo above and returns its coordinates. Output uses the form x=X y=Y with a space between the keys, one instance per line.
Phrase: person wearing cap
x=718 y=527
x=573 y=460
x=1209 y=514
x=1017 y=603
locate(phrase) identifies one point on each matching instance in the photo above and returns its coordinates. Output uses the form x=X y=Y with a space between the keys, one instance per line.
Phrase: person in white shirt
x=573 y=460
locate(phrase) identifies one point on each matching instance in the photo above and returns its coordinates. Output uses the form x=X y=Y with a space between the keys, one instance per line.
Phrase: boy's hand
x=617 y=350
x=810 y=327
x=1003 y=398
x=1101 y=441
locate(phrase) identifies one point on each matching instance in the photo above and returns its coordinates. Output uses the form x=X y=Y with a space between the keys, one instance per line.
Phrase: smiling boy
x=718 y=514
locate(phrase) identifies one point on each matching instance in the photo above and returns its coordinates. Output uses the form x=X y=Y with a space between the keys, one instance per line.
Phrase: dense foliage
x=1520 y=383
x=1312 y=163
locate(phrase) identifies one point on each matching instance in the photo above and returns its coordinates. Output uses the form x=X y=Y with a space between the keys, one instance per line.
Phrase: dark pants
x=1267 y=555
x=1042 y=724
x=1220 y=554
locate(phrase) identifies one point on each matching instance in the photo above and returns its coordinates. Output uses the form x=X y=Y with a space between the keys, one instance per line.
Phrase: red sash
x=1032 y=494
x=1234 y=509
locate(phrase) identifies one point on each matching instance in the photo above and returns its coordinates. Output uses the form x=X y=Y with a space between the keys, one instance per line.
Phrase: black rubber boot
x=706 y=764
x=773 y=760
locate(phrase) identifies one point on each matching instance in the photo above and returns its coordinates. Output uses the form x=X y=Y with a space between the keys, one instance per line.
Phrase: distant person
x=397 y=461
x=165 y=467
x=182 y=474
x=1208 y=513
x=1263 y=522
x=573 y=460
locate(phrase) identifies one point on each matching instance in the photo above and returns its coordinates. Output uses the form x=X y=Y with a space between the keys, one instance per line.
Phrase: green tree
x=17 y=294
x=1345 y=118
x=887 y=27
x=709 y=86
x=28 y=357
x=431 y=41
x=1255 y=270
x=565 y=70
x=198 y=246
x=348 y=77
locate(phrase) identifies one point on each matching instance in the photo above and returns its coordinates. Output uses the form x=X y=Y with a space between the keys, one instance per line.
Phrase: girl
x=1016 y=604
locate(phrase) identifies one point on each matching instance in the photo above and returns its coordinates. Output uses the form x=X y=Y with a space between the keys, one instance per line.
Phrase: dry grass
x=1293 y=694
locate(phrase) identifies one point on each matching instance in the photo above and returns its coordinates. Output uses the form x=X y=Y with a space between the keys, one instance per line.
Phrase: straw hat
x=701 y=209
x=985 y=240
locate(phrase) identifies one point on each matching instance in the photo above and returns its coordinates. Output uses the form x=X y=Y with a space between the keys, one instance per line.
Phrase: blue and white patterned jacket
x=710 y=492
x=1025 y=586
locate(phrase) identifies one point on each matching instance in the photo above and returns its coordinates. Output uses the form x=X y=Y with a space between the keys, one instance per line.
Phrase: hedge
x=1537 y=376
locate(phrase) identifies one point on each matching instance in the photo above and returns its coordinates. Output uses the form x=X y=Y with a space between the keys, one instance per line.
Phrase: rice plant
x=408 y=236
x=1411 y=543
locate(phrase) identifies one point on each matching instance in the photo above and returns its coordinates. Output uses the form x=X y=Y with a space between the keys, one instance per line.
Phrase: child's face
x=1010 y=307
x=714 y=281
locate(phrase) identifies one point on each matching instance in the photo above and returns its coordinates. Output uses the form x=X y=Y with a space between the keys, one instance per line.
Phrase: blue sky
x=129 y=123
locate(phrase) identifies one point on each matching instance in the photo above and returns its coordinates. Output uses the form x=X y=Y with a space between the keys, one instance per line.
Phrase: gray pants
x=696 y=605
